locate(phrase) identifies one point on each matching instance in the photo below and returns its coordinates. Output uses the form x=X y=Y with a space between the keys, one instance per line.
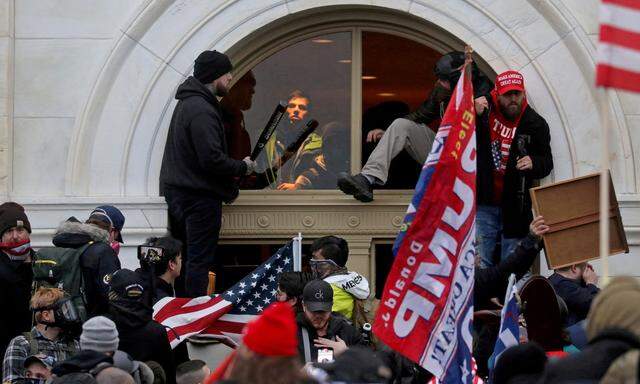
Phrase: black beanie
x=13 y=215
x=210 y=65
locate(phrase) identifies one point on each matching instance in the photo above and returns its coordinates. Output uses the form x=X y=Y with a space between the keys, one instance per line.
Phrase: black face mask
x=32 y=381
x=65 y=316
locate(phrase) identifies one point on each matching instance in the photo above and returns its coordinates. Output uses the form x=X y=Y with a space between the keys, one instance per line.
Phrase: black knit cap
x=210 y=65
x=13 y=215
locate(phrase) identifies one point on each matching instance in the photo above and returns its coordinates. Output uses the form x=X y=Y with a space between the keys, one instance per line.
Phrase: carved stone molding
x=274 y=214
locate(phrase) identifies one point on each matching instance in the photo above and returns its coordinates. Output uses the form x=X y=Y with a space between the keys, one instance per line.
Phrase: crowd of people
x=316 y=331
x=77 y=316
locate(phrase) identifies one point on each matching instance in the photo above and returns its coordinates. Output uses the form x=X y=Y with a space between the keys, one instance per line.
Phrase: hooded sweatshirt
x=98 y=261
x=347 y=287
x=140 y=336
x=196 y=158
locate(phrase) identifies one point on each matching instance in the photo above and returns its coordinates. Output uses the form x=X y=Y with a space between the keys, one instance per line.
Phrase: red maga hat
x=509 y=81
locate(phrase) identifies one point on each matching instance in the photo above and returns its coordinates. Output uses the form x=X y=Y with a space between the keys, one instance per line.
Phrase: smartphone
x=325 y=355
x=150 y=255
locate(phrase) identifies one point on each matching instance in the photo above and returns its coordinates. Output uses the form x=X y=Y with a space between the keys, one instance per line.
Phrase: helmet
x=447 y=68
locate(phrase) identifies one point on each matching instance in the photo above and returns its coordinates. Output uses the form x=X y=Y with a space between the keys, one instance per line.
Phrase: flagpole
x=297 y=253
x=604 y=185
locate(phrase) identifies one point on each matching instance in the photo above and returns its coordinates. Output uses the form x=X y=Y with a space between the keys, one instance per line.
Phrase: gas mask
x=65 y=316
x=321 y=268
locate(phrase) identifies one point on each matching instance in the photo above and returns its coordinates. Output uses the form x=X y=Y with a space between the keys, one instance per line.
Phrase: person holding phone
x=323 y=335
x=160 y=258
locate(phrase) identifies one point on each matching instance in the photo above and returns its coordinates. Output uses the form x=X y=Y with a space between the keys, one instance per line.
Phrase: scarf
x=17 y=251
x=502 y=132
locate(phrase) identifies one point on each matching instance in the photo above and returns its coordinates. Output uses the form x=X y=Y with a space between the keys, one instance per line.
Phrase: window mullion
x=356 y=100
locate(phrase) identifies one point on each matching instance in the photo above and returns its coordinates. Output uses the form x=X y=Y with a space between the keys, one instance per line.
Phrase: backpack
x=60 y=268
x=364 y=311
x=70 y=348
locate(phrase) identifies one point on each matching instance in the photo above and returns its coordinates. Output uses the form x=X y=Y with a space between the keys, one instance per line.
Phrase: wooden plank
x=571 y=209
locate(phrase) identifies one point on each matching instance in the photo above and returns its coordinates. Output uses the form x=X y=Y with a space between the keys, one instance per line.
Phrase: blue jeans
x=488 y=231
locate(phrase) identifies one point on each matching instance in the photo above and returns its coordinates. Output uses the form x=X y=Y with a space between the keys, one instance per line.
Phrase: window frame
x=291 y=30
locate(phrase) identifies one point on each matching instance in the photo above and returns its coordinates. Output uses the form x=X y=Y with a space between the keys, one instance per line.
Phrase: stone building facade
x=86 y=94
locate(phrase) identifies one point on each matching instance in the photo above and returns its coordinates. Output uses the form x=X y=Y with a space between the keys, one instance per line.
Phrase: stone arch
x=119 y=136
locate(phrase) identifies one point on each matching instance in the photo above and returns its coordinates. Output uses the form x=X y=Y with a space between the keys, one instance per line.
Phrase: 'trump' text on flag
x=426 y=308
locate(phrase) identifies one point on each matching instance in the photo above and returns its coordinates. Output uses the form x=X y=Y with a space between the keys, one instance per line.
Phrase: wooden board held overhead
x=571 y=208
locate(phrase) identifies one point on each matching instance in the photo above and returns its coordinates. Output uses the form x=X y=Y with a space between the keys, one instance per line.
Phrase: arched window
x=352 y=80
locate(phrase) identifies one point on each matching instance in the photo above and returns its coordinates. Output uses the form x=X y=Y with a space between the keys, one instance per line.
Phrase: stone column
x=6 y=93
x=360 y=255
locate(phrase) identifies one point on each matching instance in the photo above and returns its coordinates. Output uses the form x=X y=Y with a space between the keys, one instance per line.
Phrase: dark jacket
x=83 y=361
x=515 y=221
x=433 y=107
x=98 y=261
x=15 y=293
x=593 y=361
x=162 y=288
x=576 y=294
x=140 y=336
x=195 y=156
x=493 y=281
x=338 y=326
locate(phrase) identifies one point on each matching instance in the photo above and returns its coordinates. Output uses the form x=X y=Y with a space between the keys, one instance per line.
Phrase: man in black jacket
x=140 y=336
x=577 y=285
x=513 y=145
x=318 y=328
x=16 y=274
x=493 y=281
x=412 y=133
x=197 y=174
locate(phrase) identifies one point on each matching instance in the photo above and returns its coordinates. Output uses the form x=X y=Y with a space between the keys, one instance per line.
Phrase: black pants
x=197 y=219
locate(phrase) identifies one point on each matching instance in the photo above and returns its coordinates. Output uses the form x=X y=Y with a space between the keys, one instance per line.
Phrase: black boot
x=356 y=185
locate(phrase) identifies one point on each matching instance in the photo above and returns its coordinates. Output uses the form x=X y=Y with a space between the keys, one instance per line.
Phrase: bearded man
x=513 y=144
x=197 y=173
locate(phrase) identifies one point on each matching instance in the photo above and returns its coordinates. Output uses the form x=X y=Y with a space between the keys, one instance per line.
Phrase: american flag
x=224 y=315
x=509 y=329
x=500 y=154
x=619 y=47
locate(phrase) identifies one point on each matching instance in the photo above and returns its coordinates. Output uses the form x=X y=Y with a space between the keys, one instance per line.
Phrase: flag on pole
x=224 y=316
x=509 y=334
x=426 y=309
x=619 y=47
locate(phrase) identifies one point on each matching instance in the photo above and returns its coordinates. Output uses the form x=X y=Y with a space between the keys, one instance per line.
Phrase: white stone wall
x=86 y=89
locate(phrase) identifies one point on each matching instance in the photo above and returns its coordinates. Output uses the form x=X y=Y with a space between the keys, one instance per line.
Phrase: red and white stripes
x=619 y=47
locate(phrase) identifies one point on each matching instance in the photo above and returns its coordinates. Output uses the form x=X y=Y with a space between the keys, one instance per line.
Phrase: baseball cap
x=318 y=296
x=47 y=361
x=109 y=215
x=509 y=81
x=126 y=284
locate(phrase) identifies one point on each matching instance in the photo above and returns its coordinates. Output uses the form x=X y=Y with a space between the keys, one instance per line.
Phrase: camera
x=150 y=255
